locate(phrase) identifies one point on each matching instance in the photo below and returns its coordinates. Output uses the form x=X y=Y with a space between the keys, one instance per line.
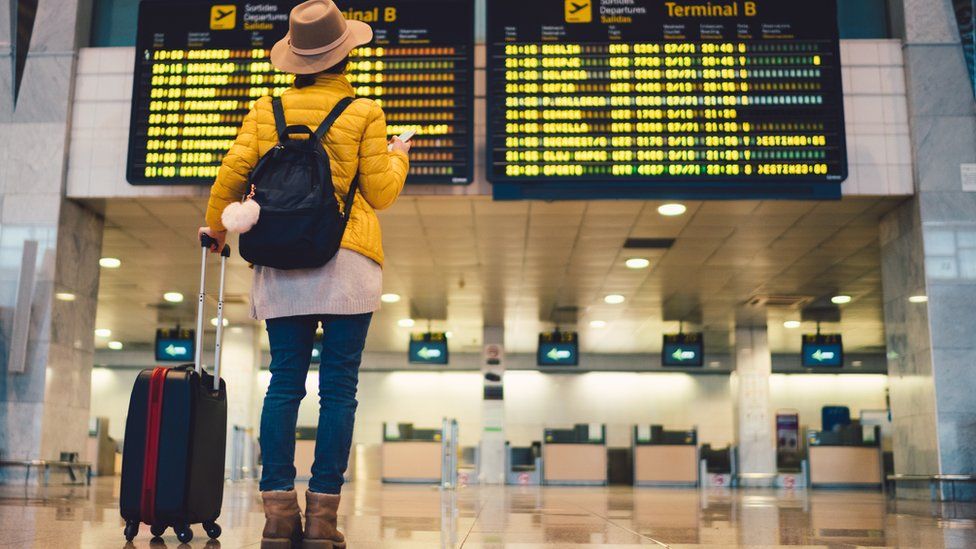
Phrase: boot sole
x=323 y=544
x=279 y=543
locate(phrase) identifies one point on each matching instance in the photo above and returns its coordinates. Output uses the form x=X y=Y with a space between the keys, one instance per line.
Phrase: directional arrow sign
x=173 y=350
x=557 y=354
x=680 y=354
x=820 y=355
x=428 y=354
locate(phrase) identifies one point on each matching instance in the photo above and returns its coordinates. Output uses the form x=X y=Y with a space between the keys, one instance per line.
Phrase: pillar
x=43 y=405
x=240 y=363
x=928 y=249
x=491 y=455
x=754 y=422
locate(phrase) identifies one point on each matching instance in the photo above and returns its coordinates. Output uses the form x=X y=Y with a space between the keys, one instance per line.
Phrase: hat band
x=323 y=49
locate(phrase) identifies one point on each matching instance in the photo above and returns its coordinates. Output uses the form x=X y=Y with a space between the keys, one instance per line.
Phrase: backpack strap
x=320 y=134
x=332 y=117
x=279 y=115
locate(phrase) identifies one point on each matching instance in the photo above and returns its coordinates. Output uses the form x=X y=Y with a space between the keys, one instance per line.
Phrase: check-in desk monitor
x=411 y=455
x=665 y=458
x=575 y=456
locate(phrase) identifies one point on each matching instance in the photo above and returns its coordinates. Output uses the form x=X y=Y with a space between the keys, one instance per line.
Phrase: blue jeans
x=291 y=340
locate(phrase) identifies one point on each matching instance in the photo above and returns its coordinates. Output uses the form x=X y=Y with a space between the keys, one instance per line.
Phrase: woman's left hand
x=219 y=237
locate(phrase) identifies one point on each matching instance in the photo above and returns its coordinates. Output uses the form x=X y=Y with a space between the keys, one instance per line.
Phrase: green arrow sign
x=820 y=355
x=173 y=350
x=557 y=354
x=682 y=355
x=428 y=354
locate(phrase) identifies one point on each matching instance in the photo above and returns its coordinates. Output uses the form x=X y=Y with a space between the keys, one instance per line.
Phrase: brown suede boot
x=321 y=532
x=283 y=525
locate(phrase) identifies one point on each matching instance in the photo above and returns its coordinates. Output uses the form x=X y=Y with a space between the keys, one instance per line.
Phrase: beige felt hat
x=318 y=38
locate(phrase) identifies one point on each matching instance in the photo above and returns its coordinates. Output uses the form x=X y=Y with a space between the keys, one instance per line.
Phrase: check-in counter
x=846 y=458
x=575 y=457
x=665 y=458
x=411 y=455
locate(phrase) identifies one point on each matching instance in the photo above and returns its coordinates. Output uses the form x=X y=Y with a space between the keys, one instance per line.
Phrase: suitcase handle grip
x=207 y=241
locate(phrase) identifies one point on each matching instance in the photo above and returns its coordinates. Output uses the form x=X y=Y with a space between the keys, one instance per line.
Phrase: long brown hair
x=306 y=80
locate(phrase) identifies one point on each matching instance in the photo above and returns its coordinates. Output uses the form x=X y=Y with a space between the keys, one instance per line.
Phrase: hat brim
x=285 y=60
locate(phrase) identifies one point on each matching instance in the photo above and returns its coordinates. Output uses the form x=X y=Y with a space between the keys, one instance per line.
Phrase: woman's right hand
x=219 y=237
x=399 y=146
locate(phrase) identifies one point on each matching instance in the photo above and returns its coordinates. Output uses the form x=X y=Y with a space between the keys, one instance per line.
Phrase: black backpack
x=300 y=224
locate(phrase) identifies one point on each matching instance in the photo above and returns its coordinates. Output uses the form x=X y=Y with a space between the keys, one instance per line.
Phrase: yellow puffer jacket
x=357 y=141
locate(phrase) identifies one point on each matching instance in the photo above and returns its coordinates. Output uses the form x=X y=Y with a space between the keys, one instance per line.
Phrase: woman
x=342 y=295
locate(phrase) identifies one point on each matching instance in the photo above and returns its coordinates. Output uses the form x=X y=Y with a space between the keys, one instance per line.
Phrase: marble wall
x=44 y=410
x=753 y=409
x=929 y=249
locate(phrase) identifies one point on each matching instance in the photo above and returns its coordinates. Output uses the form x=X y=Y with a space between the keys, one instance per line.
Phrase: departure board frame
x=770 y=37
x=417 y=35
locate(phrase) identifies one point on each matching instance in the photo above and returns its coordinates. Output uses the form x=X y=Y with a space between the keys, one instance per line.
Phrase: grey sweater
x=349 y=284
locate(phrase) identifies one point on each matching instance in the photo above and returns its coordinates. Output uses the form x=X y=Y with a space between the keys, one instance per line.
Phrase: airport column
x=240 y=363
x=754 y=424
x=928 y=249
x=491 y=450
x=50 y=246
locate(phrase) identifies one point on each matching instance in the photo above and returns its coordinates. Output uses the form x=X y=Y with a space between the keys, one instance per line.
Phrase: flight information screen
x=201 y=65
x=632 y=98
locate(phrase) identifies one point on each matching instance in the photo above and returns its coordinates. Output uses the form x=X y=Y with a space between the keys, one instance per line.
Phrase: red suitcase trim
x=154 y=416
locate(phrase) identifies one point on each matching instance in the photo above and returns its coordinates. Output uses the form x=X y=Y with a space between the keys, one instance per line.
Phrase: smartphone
x=405 y=136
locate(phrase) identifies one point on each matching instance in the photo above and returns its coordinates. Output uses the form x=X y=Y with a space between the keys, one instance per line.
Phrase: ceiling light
x=213 y=321
x=840 y=299
x=115 y=345
x=65 y=296
x=405 y=323
x=672 y=210
x=110 y=262
x=173 y=297
x=236 y=330
x=614 y=299
x=791 y=324
x=389 y=298
x=919 y=299
x=449 y=334
x=637 y=263
x=103 y=332
x=598 y=324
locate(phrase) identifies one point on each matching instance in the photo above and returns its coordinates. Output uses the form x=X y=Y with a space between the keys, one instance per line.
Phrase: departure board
x=683 y=98
x=200 y=65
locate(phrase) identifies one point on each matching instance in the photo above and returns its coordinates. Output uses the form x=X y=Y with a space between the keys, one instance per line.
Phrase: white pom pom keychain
x=240 y=217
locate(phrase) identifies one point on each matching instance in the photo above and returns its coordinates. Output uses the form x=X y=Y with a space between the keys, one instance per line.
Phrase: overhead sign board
x=679 y=99
x=822 y=350
x=429 y=348
x=683 y=350
x=200 y=65
x=175 y=345
x=558 y=349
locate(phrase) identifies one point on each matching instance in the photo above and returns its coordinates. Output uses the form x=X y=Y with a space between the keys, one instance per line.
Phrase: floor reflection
x=374 y=515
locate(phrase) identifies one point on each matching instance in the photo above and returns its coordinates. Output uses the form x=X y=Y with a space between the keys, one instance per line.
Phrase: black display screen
x=820 y=350
x=684 y=98
x=683 y=350
x=200 y=65
x=175 y=345
x=558 y=349
x=430 y=348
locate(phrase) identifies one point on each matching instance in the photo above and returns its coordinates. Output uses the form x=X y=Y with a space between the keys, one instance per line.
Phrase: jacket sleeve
x=381 y=172
x=231 y=182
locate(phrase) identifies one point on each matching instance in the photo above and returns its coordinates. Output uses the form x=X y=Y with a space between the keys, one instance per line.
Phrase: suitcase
x=175 y=439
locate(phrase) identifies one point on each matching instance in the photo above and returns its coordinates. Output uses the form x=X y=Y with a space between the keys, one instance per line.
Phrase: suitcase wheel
x=183 y=533
x=157 y=530
x=131 y=529
x=213 y=529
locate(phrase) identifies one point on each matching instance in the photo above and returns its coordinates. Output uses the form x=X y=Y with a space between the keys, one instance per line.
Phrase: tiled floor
x=520 y=517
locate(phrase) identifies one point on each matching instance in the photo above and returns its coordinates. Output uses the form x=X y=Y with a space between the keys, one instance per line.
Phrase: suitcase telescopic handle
x=206 y=244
